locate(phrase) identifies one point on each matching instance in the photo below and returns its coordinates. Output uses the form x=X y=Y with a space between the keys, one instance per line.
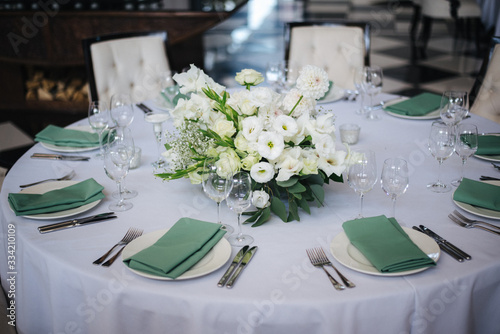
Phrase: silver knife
x=447 y=243
x=59 y=157
x=234 y=263
x=246 y=258
x=75 y=222
x=443 y=247
x=144 y=108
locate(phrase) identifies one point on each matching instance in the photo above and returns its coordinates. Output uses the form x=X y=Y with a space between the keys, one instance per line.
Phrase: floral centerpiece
x=288 y=148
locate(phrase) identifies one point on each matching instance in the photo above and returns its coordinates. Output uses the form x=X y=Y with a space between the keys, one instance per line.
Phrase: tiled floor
x=254 y=36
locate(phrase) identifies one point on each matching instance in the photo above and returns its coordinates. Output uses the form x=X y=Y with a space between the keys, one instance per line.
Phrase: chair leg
x=426 y=34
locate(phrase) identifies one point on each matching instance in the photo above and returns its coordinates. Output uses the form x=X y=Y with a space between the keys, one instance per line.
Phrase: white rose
x=249 y=77
x=229 y=163
x=224 y=128
x=262 y=96
x=310 y=166
x=249 y=161
x=195 y=177
x=260 y=199
x=262 y=172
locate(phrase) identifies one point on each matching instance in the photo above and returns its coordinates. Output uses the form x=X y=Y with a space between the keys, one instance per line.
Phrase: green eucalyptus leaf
x=264 y=217
x=304 y=205
x=288 y=183
x=318 y=193
x=297 y=188
x=278 y=207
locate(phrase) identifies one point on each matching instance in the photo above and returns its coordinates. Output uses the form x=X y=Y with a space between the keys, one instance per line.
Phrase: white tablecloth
x=59 y=290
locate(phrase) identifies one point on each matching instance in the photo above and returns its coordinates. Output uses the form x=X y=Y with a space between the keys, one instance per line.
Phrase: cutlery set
x=463 y=221
x=132 y=233
x=319 y=259
x=59 y=157
x=445 y=245
x=76 y=222
x=239 y=262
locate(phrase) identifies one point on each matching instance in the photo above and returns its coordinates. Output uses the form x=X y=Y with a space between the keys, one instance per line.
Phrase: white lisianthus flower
x=262 y=172
x=313 y=82
x=249 y=77
x=289 y=167
x=260 y=199
x=252 y=127
x=194 y=80
x=306 y=105
x=333 y=164
x=324 y=145
x=250 y=160
x=271 y=144
x=325 y=123
x=224 y=128
x=285 y=126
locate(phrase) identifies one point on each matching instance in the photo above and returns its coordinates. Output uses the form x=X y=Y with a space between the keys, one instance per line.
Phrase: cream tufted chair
x=128 y=63
x=339 y=48
x=485 y=94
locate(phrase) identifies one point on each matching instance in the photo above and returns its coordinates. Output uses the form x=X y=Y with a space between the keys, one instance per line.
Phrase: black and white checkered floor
x=254 y=36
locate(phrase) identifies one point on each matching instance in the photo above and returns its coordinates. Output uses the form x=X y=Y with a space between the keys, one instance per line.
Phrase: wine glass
x=273 y=74
x=362 y=175
x=372 y=79
x=465 y=146
x=217 y=184
x=168 y=89
x=119 y=151
x=121 y=110
x=441 y=146
x=288 y=74
x=358 y=84
x=238 y=200
x=157 y=118
x=453 y=107
x=98 y=116
x=394 y=179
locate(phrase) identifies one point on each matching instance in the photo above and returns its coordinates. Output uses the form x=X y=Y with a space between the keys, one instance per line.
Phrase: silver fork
x=128 y=237
x=317 y=263
x=457 y=221
x=322 y=257
x=473 y=221
x=68 y=176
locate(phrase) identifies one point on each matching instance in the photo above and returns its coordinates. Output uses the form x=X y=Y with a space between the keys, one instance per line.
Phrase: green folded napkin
x=419 y=105
x=70 y=197
x=488 y=145
x=58 y=136
x=478 y=193
x=384 y=243
x=184 y=244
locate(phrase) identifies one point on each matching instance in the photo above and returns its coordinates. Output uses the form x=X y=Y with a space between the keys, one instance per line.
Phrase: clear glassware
x=362 y=175
x=157 y=118
x=441 y=146
x=465 y=146
x=358 y=84
x=168 y=89
x=394 y=179
x=288 y=74
x=238 y=200
x=372 y=79
x=98 y=116
x=121 y=110
x=119 y=151
x=273 y=75
x=453 y=107
x=217 y=184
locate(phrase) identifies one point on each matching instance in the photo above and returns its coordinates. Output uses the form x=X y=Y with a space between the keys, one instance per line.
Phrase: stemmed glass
x=168 y=88
x=394 y=179
x=157 y=118
x=362 y=175
x=122 y=114
x=372 y=79
x=217 y=184
x=119 y=151
x=238 y=200
x=465 y=146
x=98 y=117
x=441 y=146
x=273 y=74
x=288 y=75
x=358 y=83
x=454 y=107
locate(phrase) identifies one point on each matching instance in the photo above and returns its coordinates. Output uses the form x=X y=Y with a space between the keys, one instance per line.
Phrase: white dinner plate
x=432 y=115
x=42 y=188
x=68 y=149
x=478 y=211
x=494 y=158
x=335 y=94
x=348 y=255
x=214 y=259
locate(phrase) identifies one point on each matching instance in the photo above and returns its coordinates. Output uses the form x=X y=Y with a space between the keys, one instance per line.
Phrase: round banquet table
x=58 y=290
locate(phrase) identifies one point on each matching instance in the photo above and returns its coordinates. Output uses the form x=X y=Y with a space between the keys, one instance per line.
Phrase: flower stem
x=295 y=106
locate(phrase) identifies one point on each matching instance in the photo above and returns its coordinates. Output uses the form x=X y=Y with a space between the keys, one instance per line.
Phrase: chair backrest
x=340 y=48
x=129 y=63
x=484 y=97
x=445 y=9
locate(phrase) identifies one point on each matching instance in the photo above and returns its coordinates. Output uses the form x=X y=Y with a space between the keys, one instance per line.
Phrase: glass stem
x=218 y=213
x=464 y=160
x=361 y=205
x=239 y=227
x=394 y=206
x=120 y=194
x=101 y=149
x=440 y=162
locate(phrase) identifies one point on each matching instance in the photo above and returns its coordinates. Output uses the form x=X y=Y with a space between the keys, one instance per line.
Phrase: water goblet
x=362 y=175
x=124 y=135
x=273 y=74
x=372 y=79
x=119 y=151
x=217 y=183
x=288 y=75
x=453 y=107
x=121 y=110
x=238 y=200
x=394 y=179
x=98 y=116
x=358 y=84
x=157 y=118
x=441 y=146
x=465 y=146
